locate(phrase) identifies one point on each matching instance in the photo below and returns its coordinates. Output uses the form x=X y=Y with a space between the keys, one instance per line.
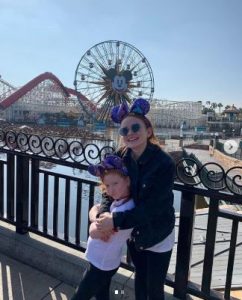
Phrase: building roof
x=231 y=109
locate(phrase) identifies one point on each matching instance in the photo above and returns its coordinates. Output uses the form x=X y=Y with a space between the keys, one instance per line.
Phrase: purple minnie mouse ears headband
x=110 y=162
x=139 y=107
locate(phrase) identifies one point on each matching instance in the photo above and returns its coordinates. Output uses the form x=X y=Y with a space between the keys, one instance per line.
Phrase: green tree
x=205 y=110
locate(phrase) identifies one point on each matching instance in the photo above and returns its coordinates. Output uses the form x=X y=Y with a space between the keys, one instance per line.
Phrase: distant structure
x=113 y=72
x=6 y=89
x=43 y=100
x=231 y=113
x=229 y=122
x=170 y=114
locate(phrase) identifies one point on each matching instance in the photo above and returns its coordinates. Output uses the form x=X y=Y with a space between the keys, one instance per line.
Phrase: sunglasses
x=123 y=131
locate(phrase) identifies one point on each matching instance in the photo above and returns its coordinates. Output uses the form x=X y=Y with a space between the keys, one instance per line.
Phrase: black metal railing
x=181 y=282
x=54 y=203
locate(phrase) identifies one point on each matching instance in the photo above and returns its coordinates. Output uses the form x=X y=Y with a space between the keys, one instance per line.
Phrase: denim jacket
x=152 y=177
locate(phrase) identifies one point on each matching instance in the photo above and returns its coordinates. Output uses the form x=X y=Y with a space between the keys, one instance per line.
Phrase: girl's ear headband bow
x=111 y=162
x=140 y=107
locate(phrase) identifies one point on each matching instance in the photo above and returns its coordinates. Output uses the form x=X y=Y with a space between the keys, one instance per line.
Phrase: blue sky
x=194 y=47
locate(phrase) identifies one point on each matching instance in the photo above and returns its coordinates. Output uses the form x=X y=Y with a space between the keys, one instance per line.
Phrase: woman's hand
x=105 y=222
x=98 y=234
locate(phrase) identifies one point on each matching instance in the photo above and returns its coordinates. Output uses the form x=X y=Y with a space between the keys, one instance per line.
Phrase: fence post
x=34 y=193
x=1 y=189
x=22 y=194
x=210 y=245
x=10 y=186
x=184 y=246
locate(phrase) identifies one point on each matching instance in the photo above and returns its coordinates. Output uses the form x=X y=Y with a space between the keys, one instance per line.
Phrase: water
x=75 y=173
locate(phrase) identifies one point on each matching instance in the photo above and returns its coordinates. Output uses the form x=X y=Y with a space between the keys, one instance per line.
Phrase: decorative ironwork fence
x=210 y=175
x=32 y=197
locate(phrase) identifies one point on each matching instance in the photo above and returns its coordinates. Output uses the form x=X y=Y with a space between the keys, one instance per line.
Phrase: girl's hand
x=105 y=235
x=105 y=222
x=98 y=234
x=93 y=212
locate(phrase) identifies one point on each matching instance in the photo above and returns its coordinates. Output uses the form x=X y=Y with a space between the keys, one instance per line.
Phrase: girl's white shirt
x=107 y=256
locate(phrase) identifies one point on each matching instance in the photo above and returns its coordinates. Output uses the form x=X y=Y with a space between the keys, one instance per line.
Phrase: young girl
x=104 y=256
x=151 y=172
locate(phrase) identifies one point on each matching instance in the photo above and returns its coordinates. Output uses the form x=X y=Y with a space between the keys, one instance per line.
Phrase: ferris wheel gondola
x=112 y=72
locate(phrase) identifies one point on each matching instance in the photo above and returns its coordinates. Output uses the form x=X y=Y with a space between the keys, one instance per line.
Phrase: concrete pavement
x=19 y=281
x=35 y=268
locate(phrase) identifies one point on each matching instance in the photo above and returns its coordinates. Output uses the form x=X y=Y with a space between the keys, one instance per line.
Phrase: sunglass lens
x=123 y=131
x=135 y=127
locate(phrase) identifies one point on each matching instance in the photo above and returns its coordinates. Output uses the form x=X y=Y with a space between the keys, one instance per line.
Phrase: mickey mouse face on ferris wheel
x=119 y=81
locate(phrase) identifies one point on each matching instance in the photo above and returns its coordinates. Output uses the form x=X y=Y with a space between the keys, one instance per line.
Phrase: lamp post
x=216 y=139
x=224 y=133
x=211 y=145
x=181 y=134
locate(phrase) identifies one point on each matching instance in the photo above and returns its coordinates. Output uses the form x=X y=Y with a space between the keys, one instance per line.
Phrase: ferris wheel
x=112 y=72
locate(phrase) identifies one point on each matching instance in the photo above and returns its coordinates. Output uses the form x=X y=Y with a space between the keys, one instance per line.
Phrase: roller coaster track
x=6 y=89
x=10 y=94
x=176 y=110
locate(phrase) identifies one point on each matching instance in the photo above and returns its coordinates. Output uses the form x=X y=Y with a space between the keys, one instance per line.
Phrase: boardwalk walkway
x=222 y=245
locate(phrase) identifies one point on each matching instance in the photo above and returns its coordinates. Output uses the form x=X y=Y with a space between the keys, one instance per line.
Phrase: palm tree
x=208 y=103
x=214 y=105
x=204 y=110
x=219 y=107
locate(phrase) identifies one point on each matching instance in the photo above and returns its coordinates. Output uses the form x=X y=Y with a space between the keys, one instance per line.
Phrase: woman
x=151 y=172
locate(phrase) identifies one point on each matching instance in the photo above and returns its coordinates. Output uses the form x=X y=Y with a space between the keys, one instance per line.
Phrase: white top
x=106 y=256
x=165 y=245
